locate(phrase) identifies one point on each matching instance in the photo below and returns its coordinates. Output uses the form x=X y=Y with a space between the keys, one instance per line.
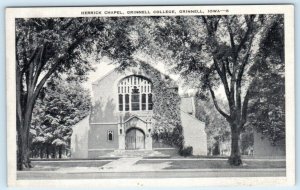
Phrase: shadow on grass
x=215 y=164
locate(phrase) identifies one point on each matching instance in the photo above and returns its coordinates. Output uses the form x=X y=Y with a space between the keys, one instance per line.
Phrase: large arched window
x=135 y=93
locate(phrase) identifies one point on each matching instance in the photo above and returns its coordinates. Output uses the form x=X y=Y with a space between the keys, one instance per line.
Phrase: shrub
x=186 y=151
x=172 y=137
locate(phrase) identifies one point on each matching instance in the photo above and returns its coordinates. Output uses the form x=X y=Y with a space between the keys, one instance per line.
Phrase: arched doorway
x=135 y=139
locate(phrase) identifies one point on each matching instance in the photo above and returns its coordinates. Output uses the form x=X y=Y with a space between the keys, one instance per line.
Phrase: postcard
x=134 y=96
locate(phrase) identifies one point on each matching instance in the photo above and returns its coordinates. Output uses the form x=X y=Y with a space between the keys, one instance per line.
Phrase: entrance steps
x=136 y=153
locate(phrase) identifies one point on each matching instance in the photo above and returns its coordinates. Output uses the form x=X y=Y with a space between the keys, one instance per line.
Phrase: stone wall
x=98 y=137
x=79 y=139
x=263 y=148
x=194 y=134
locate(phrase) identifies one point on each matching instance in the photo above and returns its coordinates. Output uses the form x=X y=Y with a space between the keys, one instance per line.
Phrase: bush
x=171 y=138
x=186 y=151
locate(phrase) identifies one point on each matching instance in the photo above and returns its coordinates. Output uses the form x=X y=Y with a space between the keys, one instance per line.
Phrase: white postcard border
x=287 y=10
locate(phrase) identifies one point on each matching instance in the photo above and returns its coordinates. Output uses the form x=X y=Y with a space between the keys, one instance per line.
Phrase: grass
x=215 y=164
x=72 y=159
x=53 y=166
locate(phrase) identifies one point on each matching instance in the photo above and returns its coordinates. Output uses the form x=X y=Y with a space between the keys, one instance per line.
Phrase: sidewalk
x=121 y=165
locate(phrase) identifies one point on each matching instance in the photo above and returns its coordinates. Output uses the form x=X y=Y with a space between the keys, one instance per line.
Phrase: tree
x=267 y=109
x=215 y=53
x=61 y=105
x=50 y=47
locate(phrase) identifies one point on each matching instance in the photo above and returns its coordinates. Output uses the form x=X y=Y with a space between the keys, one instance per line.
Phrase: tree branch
x=223 y=78
x=227 y=67
x=216 y=24
x=217 y=68
x=216 y=103
x=18 y=93
x=249 y=22
x=245 y=108
x=56 y=64
x=240 y=75
x=230 y=35
x=39 y=66
x=206 y=24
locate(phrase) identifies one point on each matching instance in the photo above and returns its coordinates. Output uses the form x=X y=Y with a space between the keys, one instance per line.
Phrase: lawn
x=55 y=165
x=215 y=164
x=172 y=164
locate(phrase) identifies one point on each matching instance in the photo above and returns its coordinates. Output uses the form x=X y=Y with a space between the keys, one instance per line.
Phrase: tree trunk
x=235 y=156
x=59 y=152
x=23 y=129
x=23 y=152
x=41 y=151
x=54 y=152
x=47 y=151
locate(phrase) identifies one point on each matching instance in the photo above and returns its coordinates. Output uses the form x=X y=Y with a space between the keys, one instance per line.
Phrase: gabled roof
x=192 y=117
x=167 y=78
x=171 y=83
x=101 y=78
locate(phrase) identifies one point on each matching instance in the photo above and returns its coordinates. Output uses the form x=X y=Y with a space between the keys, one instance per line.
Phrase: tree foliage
x=215 y=52
x=60 y=106
x=212 y=53
x=50 y=47
x=267 y=109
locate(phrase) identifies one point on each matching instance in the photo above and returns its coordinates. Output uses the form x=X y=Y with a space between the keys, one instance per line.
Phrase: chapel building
x=121 y=120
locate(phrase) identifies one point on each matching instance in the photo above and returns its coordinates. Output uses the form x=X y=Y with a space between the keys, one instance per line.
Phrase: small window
x=120 y=131
x=110 y=135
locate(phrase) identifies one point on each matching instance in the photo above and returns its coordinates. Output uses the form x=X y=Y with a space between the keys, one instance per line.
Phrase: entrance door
x=135 y=139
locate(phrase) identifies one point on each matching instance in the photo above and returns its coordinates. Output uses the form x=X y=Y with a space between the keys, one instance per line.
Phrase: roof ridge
x=191 y=116
x=104 y=76
x=169 y=79
x=143 y=62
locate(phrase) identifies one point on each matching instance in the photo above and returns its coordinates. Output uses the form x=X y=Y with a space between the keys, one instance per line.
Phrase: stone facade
x=122 y=117
x=263 y=148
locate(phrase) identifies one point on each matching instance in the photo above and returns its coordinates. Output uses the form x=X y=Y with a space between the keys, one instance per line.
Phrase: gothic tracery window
x=135 y=93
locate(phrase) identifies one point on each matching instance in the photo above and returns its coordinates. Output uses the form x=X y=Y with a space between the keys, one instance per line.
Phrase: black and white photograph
x=145 y=95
